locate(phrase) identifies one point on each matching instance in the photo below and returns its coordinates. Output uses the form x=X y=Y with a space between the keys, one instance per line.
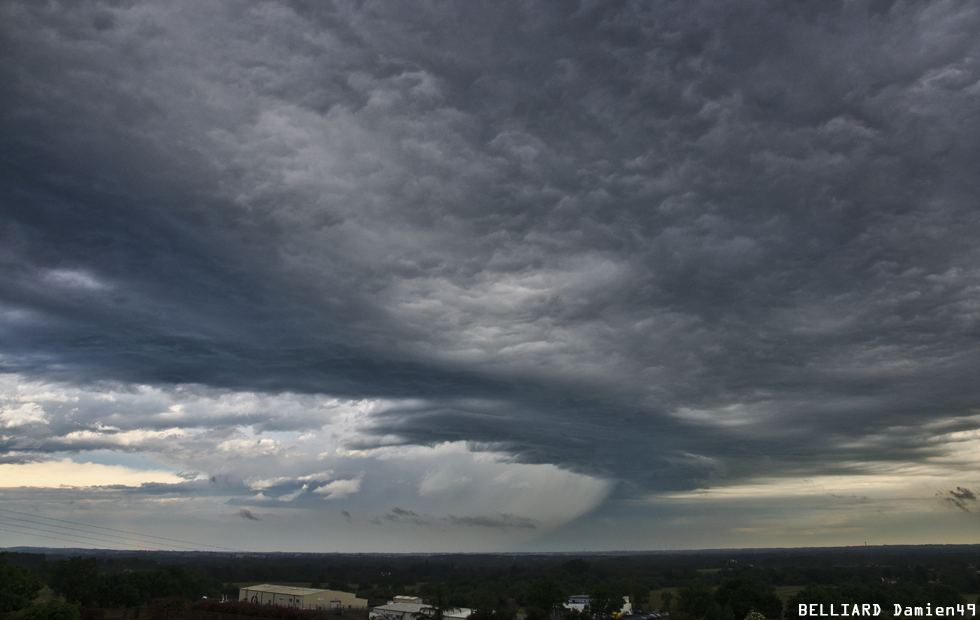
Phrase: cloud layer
x=652 y=246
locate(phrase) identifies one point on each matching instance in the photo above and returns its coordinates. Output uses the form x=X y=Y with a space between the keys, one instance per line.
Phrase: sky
x=489 y=276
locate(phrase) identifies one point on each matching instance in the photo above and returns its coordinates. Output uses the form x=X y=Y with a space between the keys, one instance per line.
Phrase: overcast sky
x=484 y=276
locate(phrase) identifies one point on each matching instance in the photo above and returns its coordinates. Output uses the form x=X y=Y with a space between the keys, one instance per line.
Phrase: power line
x=195 y=545
x=99 y=540
x=104 y=539
x=38 y=535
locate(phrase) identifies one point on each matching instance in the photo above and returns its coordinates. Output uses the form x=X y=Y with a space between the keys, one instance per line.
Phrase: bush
x=17 y=586
x=258 y=611
x=170 y=602
x=745 y=595
x=52 y=610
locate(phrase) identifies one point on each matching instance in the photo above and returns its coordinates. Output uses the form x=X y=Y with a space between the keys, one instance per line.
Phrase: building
x=579 y=602
x=300 y=598
x=411 y=608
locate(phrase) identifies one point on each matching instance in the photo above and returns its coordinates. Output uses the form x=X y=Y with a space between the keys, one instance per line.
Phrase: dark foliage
x=77 y=579
x=696 y=601
x=744 y=595
x=17 y=586
x=170 y=602
x=52 y=610
x=80 y=581
x=496 y=586
x=258 y=611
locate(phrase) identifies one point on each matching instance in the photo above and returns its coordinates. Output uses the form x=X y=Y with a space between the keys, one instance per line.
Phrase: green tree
x=745 y=595
x=639 y=597
x=76 y=579
x=576 y=567
x=119 y=590
x=941 y=594
x=695 y=600
x=17 y=586
x=52 y=610
x=574 y=614
x=438 y=605
x=489 y=603
x=604 y=600
x=544 y=594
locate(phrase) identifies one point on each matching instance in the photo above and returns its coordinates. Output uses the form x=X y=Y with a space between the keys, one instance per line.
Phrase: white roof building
x=396 y=610
x=579 y=601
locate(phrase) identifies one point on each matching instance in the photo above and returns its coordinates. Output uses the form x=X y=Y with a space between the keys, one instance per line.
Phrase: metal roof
x=292 y=590
x=403 y=607
x=415 y=608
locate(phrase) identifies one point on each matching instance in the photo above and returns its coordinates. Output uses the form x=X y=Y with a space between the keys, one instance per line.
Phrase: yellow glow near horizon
x=879 y=487
x=67 y=473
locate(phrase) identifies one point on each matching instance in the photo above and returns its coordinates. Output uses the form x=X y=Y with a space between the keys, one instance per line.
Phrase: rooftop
x=265 y=587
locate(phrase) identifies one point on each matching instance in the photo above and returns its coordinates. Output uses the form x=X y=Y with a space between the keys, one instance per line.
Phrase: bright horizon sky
x=491 y=276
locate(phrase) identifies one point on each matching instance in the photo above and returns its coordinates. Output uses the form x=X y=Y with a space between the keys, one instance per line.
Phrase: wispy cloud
x=963 y=499
x=495 y=521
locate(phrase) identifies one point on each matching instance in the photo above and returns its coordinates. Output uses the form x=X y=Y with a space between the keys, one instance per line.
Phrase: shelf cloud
x=635 y=251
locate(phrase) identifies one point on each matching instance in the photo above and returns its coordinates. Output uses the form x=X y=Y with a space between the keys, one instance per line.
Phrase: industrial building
x=411 y=608
x=300 y=598
x=579 y=602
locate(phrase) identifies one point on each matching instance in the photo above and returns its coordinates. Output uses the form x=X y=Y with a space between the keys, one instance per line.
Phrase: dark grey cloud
x=497 y=521
x=960 y=498
x=16 y=458
x=502 y=520
x=247 y=514
x=671 y=244
x=400 y=515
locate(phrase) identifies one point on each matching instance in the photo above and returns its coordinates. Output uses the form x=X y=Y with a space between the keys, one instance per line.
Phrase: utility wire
x=99 y=540
x=105 y=536
x=43 y=536
x=110 y=529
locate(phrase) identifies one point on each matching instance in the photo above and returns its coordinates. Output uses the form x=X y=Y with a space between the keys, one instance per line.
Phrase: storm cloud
x=666 y=246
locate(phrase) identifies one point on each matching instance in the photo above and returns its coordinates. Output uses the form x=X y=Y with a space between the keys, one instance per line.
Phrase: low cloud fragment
x=502 y=521
x=340 y=489
x=400 y=515
x=960 y=498
x=245 y=513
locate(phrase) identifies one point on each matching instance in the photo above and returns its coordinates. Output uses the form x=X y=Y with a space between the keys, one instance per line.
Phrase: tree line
x=79 y=581
x=497 y=587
